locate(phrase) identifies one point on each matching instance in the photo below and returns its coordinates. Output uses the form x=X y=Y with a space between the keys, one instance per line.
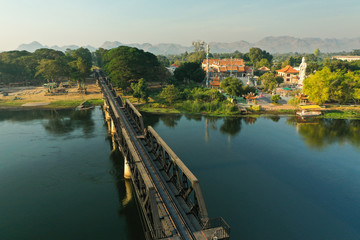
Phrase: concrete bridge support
x=127 y=171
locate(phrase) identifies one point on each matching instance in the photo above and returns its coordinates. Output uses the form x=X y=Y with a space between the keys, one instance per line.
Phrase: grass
x=346 y=114
x=96 y=102
x=64 y=104
x=11 y=103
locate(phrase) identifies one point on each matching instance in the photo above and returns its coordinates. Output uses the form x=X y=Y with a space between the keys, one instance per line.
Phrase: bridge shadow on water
x=127 y=200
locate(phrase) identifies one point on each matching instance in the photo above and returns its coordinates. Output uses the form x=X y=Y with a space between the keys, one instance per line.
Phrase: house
x=347 y=58
x=264 y=69
x=290 y=75
x=172 y=68
x=223 y=68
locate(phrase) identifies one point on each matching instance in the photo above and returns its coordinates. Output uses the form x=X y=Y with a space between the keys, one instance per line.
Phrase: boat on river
x=309 y=111
x=84 y=106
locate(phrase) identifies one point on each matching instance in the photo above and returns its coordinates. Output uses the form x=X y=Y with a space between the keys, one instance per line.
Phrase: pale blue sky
x=80 y=22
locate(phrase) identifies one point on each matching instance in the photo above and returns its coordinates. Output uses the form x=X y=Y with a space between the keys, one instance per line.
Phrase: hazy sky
x=80 y=22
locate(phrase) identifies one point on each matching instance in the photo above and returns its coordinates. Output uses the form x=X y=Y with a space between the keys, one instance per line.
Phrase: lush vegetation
x=192 y=100
x=126 y=65
x=333 y=86
x=44 y=65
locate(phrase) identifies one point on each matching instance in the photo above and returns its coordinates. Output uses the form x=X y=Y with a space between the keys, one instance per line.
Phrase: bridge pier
x=127 y=171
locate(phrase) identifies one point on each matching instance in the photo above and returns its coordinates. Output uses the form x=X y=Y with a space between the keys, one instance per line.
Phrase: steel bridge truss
x=181 y=186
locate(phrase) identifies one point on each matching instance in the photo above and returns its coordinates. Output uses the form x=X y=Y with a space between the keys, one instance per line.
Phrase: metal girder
x=144 y=188
x=178 y=174
x=135 y=115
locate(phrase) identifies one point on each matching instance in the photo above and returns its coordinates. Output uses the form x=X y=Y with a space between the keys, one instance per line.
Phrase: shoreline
x=328 y=114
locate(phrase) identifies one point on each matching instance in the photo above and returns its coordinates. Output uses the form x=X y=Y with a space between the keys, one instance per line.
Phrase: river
x=269 y=178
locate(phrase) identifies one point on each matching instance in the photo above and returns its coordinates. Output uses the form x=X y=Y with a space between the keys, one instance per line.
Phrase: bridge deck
x=175 y=218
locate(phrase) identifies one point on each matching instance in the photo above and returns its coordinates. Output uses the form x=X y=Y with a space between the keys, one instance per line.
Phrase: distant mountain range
x=283 y=44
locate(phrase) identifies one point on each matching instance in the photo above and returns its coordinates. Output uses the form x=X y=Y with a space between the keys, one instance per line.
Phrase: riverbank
x=37 y=98
x=334 y=112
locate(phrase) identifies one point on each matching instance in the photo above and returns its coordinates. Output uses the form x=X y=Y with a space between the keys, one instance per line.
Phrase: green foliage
x=46 y=53
x=52 y=70
x=140 y=90
x=196 y=57
x=216 y=107
x=269 y=81
x=339 y=86
x=44 y=64
x=170 y=94
x=189 y=71
x=317 y=52
x=275 y=98
x=99 y=57
x=164 y=61
x=126 y=64
x=294 y=101
x=232 y=86
x=256 y=55
x=203 y=94
x=264 y=63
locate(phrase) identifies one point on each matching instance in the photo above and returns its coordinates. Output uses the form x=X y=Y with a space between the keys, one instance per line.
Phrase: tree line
x=45 y=65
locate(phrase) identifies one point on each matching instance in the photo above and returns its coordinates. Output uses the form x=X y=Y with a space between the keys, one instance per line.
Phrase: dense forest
x=44 y=65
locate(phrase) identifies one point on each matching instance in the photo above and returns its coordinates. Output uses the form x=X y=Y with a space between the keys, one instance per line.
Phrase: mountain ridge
x=272 y=44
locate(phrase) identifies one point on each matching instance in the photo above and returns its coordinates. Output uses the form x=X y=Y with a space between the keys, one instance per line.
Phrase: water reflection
x=170 y=120
x=321 y=133
x=128 y=207
x=231 y=126
x=60 y=122
x=317 y=133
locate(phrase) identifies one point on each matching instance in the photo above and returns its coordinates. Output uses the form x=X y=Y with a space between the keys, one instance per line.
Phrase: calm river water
x=269 y=178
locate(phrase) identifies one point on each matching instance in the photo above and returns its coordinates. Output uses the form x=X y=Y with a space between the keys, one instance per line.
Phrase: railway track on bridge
x=169 y=195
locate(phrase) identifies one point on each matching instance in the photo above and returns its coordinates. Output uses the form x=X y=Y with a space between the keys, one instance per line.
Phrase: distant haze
x=92 y=22
x=282 y=44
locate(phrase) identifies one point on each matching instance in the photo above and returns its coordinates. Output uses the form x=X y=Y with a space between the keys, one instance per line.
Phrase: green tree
x=317 y=52
x=170 y=94
x=126 y=64
x=81 y=63
x=232 y=86
x=164 y=61
x=52 y=70
x=264 y=62
x=269 y=81
x=189 y=71
x=275 y=98
x=46 y=53
x=317 y=86
x=256 y=54
x=140 y=90
x=99 y=57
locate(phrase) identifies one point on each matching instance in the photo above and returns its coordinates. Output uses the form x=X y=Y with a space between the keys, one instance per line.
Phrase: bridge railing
x=186 y=183
x=135 y=115
x=144 y=189
x=223 y=229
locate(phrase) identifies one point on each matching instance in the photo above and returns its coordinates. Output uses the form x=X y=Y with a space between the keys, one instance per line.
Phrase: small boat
x=84 y=106
x=309 y=111
x=304 y=113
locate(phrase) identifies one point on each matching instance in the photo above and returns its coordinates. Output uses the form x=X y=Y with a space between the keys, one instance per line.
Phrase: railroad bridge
x=169 y=195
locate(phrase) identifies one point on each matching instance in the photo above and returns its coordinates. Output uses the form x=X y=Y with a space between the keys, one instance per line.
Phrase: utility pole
x=231 y=66
x=207 y=67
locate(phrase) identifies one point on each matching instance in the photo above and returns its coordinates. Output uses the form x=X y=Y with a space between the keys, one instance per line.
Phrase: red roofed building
x=226 y=67
x=215 y=82
x=290 y=75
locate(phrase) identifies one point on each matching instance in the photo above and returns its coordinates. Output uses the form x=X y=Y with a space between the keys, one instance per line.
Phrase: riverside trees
x=126 y=64
x=333 y=86
x=44 y=65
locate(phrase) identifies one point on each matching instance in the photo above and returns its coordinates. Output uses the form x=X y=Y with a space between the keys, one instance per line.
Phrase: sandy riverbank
x=36 y=97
